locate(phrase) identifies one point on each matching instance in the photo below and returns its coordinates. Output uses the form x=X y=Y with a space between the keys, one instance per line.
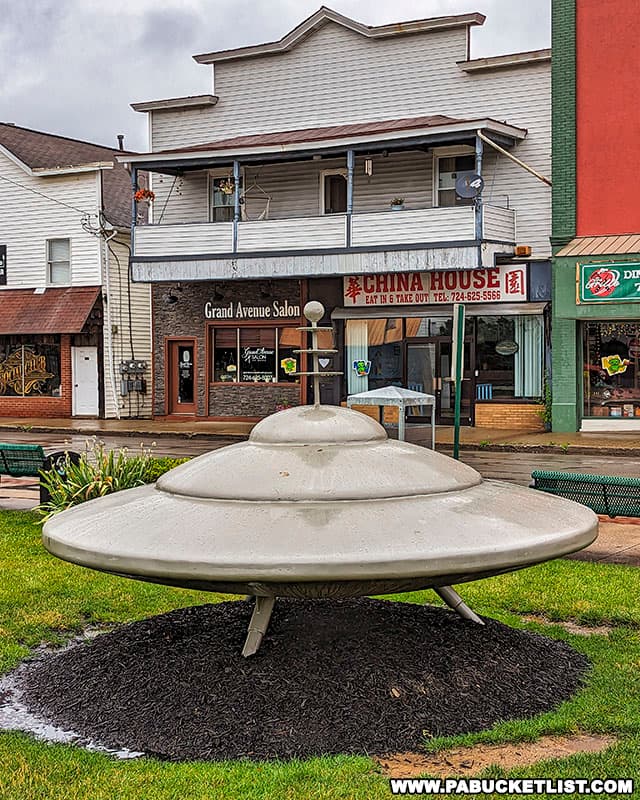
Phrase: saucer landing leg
x=454 y=601
x=258 y=624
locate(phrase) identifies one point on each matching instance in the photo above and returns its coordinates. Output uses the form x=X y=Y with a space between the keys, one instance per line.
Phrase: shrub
x=158 y=466
x=100 y=472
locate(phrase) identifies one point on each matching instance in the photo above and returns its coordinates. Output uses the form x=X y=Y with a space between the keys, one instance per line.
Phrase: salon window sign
x=278 y=309
x=3 y=264
x=506 y=283
x=618 y=282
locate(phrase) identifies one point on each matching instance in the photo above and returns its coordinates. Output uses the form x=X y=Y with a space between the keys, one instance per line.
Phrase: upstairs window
x=58 y=262
x=449 y=167
x=222 y=196
x=333 y=193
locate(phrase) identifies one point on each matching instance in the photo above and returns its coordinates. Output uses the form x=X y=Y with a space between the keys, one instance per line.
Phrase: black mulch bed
x=351 y=676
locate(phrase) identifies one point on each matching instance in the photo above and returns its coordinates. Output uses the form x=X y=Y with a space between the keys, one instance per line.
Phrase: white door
x=85 y=381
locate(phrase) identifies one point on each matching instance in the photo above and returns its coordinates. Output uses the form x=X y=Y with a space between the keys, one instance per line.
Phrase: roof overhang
x=92 y=167
x=505 y=61
x=622 y=244
x=53 y=311
x=173 y=103
x=43 y=172
x=503 y=133
x=325 y=15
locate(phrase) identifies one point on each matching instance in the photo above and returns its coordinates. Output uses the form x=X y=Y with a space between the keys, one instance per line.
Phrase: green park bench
x=21 y=460
x=29 y=461
x=604 y=494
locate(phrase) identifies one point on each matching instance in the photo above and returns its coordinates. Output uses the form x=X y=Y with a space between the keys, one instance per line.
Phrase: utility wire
x=46 y=196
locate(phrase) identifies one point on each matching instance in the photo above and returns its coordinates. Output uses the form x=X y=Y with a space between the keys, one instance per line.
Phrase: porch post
x=350 y=165
x=478 y=199
x=236 y=203
x=134 y=205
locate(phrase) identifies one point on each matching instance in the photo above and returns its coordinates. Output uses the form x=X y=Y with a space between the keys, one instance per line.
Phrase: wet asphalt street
x=507 y=466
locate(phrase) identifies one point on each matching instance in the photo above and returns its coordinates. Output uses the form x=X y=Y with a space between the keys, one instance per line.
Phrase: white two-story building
x=369 y=168
x=75 y=331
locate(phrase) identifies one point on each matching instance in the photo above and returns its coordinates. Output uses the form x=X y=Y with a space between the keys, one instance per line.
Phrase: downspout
x=478 y=199
x=350 y=167
x=134 y=205
x=109 y=329
x=236 y=203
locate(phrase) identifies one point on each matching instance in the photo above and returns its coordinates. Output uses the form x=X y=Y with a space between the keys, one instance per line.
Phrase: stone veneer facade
x=185 y=317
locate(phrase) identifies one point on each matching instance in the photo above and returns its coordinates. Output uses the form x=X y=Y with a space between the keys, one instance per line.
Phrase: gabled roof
x=44 y=153
x=325 y=15
x=39 y=150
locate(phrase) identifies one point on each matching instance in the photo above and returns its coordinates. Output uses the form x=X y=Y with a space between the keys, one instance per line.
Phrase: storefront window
x=611 y=376
x=255 y=355
x=509 y=355
x=225 y=355
x=507 y=352
x=374 y=354
x=30 y=366
x=290 y=339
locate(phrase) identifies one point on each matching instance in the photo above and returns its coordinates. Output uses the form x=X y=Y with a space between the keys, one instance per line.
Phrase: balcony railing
x=428 y=226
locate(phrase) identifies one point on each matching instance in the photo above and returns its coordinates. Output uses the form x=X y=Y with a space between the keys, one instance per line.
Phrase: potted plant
x=397 y=204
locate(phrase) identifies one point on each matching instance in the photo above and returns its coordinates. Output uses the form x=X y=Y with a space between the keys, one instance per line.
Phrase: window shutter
x=225 y=337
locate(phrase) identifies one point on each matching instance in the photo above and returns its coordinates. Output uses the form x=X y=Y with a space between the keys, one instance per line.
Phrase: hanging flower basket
x=144 y=194
x=227 y=186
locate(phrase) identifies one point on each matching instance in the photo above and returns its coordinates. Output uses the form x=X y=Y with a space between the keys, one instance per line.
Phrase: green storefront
x=596 y=247
x=596 y=339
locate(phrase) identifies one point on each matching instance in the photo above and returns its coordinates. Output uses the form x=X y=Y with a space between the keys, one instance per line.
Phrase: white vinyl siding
x=293 y=190
x=185 y=239
x=337 y=76
x=292 y=234
x=414 y=227
x=28 y=220
x=118 y=305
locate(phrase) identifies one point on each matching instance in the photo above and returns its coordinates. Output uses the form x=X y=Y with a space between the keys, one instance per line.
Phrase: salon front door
x=181 y=377
x=428 y=369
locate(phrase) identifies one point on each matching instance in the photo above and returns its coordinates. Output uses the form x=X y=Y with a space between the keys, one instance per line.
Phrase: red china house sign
x=505 y=283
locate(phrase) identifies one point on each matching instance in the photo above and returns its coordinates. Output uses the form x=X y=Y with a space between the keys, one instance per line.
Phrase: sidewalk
x=487 y=439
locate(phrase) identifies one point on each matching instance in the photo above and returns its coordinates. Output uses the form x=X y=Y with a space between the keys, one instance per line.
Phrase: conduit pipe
x=513 y=158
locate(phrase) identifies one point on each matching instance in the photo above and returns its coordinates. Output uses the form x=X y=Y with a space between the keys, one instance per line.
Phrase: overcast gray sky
x=73 y=66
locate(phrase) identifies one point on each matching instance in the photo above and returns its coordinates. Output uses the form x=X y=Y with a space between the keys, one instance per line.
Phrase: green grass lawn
x=43 y=599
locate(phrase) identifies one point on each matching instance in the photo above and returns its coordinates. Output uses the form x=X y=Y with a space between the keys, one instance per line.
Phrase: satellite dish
x=469 y=185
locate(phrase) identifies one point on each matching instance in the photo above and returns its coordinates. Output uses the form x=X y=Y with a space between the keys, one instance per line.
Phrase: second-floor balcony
x=445 y=226
x=322 y=207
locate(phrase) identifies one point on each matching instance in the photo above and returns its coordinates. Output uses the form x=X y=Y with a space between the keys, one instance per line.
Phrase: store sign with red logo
x=503 y=284
x=609 y=283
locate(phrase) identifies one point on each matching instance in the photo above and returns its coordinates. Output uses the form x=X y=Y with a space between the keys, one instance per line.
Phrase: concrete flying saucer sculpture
x=319 y=503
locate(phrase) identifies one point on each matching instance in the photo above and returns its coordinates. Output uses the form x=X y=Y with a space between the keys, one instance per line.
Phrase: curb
x=99 y=433
x=573 y=449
